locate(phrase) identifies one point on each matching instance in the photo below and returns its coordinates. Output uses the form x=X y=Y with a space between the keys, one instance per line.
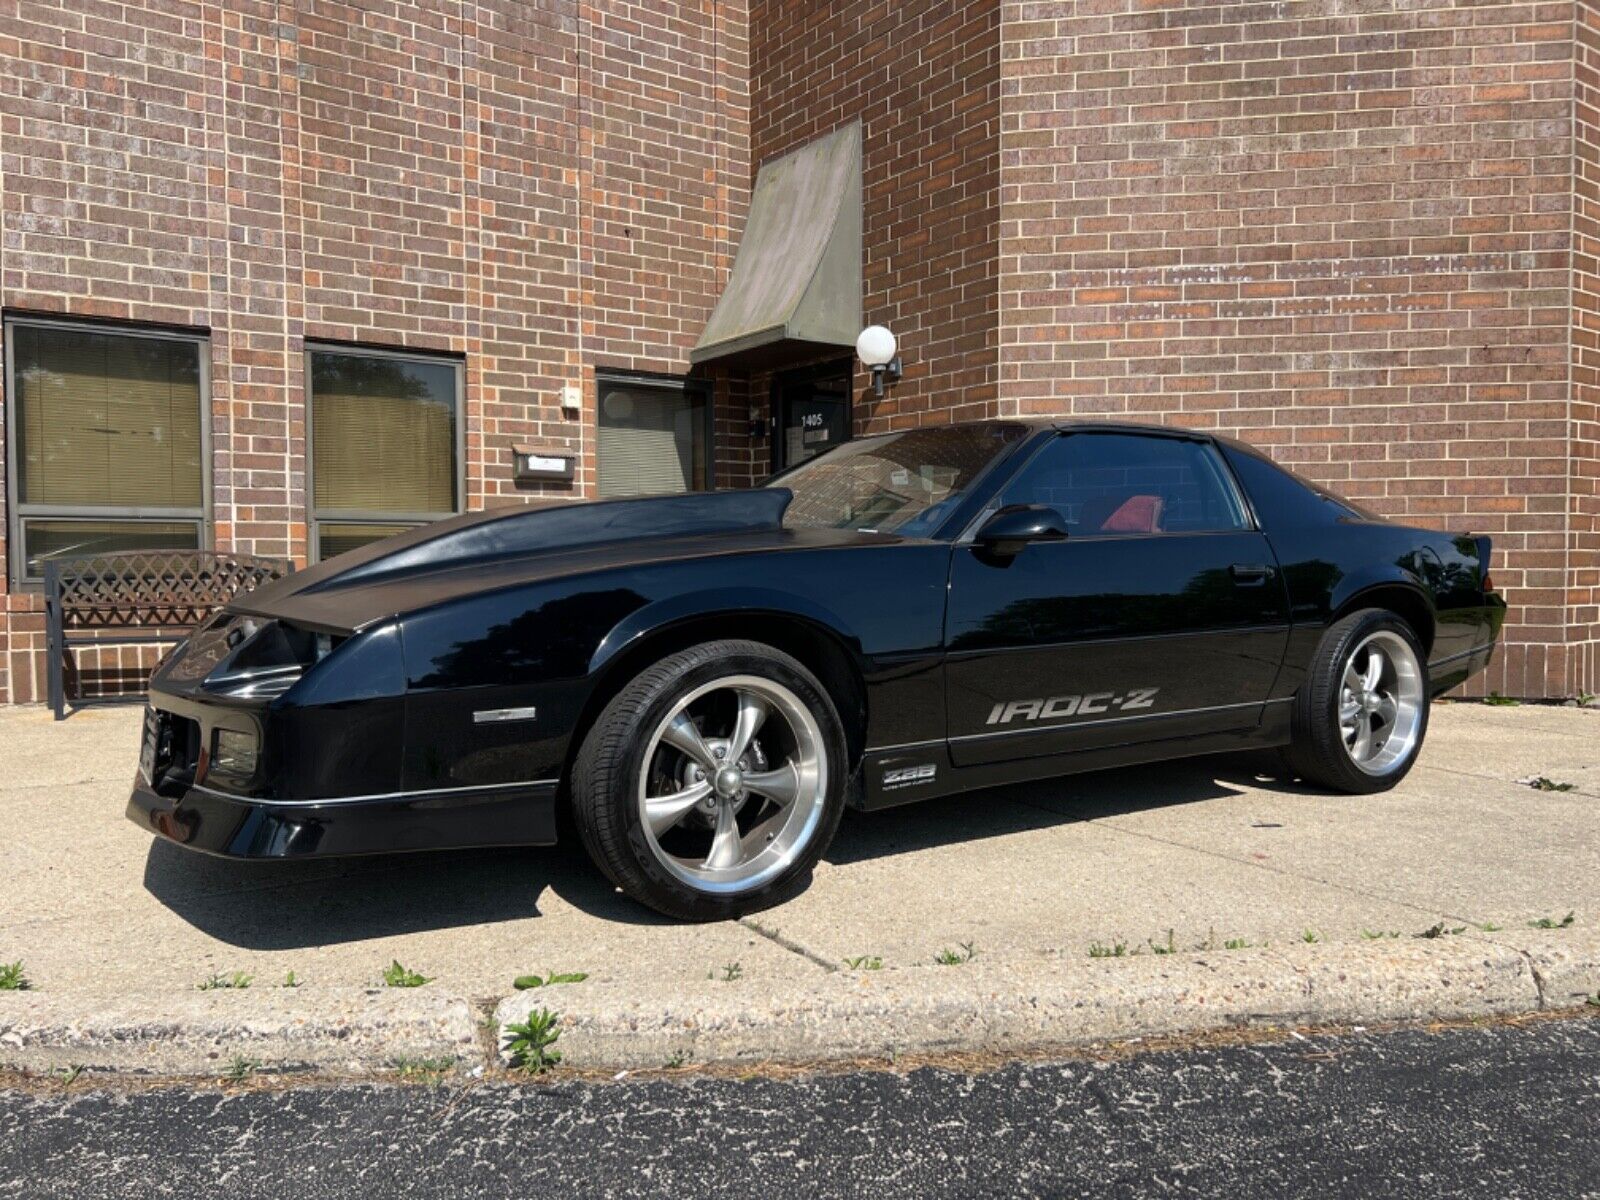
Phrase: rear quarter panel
x=1331 y=560
x=1328 y=571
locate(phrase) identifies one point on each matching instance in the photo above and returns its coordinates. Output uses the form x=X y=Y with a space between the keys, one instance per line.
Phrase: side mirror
x=1005 y=534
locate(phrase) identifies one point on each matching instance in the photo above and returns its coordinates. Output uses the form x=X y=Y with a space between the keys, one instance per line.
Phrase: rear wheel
x=713 y=782
x=1361 y=716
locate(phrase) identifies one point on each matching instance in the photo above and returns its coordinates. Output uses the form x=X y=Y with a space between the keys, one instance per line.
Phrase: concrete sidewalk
x=1024 y=883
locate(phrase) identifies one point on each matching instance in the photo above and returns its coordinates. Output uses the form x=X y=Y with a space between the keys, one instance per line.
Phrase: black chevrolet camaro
x=704 y=682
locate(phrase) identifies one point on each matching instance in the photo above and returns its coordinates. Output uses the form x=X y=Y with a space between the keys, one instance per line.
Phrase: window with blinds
x=652 y=438
x=383 y=444
x=108 y=441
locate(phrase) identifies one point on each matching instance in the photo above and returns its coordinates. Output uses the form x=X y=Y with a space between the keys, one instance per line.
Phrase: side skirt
x=899 y=775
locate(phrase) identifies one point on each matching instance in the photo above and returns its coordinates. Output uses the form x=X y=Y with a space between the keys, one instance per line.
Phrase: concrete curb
x=204 y=1033
x=986 y=1006
x=1034 y=1005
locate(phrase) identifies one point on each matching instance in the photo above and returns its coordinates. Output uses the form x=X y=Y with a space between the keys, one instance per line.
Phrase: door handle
x=1249 y=574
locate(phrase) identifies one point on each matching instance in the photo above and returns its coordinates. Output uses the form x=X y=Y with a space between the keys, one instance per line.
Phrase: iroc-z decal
x=1071 y=706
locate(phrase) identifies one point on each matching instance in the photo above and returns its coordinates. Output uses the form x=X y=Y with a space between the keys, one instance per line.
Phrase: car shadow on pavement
x=291 y=905
x=1017 y=808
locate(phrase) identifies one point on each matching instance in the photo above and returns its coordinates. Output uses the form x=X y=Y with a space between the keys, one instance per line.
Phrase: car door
x=1161 y=613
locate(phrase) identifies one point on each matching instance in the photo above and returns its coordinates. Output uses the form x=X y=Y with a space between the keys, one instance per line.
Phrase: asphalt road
x=1496 y=1112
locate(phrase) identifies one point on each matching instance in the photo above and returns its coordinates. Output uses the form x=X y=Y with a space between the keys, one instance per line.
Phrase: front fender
x=753 y=601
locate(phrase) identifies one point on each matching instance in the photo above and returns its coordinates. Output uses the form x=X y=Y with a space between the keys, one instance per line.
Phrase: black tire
x=609 y=765
x=1319 y=752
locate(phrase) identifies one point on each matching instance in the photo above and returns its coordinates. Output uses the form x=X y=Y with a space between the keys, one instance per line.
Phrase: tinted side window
x=1115 y=484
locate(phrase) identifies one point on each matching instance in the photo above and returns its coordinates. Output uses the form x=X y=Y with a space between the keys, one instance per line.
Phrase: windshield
x=903 y=483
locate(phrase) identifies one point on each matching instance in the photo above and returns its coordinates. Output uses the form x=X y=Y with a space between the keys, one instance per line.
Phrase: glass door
x=811 y=412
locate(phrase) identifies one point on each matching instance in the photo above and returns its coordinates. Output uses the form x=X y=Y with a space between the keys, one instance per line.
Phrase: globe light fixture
x=875 y=347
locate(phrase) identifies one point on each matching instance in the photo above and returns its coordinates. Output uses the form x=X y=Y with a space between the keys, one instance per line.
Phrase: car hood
x=485 y=551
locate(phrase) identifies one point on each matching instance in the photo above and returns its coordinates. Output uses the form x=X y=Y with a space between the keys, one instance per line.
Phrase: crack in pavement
x=789 y=944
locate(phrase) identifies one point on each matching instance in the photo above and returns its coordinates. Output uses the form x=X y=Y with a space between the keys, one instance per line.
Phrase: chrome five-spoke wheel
x=734 y=785
x=1381 y=698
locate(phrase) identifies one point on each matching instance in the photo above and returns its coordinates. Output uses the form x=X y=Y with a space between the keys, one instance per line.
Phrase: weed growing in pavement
x=1586 y=699
x=730 y=972
x=1593 y=1001
x=1543 y=783
x=549 y=979
x=1552 y=923
x=531 y=1041
x=1235 y=944
x=1373 y=935
x=1115 y=950
x=394 y=975
x=12 y=979
x=679 y=1057
x=423 y=1070
x=954 y=958
x=241 y=1068
x=1490 y=927
x=1171 y=946
x=1310 y=937
x=69 y=1073
x=1439 y=930
x=1498 y=700
x=291 y=980
x=865 y=962
x=237 y=979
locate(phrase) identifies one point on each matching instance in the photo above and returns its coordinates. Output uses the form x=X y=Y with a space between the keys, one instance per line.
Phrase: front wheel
x=1361 y=715
x=713 y=782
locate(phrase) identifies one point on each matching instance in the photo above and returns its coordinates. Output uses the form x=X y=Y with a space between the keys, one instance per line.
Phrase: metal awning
x=796 y=282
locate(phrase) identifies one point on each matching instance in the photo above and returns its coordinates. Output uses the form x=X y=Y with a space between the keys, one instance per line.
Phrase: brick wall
x=1362 y=235
x=539 y=186
x=923 y=79
x=1583 y=562
x=1341 y=231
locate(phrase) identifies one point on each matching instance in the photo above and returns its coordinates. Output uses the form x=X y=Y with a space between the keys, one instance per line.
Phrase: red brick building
x=280 y=275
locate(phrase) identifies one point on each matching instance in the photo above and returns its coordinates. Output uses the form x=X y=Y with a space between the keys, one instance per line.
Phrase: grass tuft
x=237 y=979
x=531 y=1041
x=396 y=976
x=241 y=1068
x=1115 y=950
x=1552 y=923
x=549 y=979
x=12 y=979
x=954 y=958
x=423 y=1070
x=865 y=962
x=1543 y=783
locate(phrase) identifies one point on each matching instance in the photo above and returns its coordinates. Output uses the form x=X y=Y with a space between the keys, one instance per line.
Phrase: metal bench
x=136 y=597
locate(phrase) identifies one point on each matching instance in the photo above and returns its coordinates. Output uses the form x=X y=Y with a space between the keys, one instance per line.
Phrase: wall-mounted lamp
x=875 y=348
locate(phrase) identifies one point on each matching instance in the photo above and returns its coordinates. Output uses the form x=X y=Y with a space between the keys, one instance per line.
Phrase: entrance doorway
x=811 y=412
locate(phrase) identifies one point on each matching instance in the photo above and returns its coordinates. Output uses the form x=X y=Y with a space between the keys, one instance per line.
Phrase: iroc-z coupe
x=703 y=682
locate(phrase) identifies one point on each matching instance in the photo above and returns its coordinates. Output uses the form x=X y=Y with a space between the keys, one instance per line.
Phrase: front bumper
x=235 y=827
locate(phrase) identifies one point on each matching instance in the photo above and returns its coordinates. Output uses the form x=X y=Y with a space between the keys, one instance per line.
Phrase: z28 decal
x=899 y=777
x=1071 y=706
